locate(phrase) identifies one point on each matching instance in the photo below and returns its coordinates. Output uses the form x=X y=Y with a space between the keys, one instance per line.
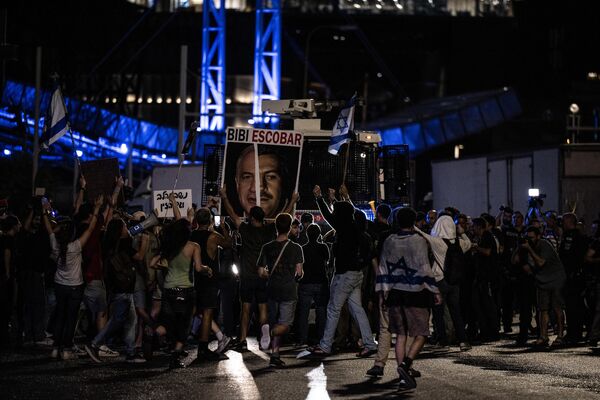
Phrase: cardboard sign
x=163 y=206
x=262 y=167
x=100 y=178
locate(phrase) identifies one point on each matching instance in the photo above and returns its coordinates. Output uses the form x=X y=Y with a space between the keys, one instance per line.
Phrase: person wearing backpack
x=120 y=265
x=448 y=244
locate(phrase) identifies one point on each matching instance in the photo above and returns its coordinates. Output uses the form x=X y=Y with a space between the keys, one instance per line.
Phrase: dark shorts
x=94 y=297
x=550 y=299
x=409 y=321
x=253 y=289
x=207 y=297
x=282 y=312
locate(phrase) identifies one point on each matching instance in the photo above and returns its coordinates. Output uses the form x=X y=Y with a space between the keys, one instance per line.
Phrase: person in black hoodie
x=313 y=287
x=348 y=250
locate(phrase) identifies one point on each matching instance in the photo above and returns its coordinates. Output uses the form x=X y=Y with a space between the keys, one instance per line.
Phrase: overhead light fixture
x=574 y=108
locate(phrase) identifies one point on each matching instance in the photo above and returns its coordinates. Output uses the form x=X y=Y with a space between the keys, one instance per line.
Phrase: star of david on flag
x=343 y=127
x=57 y=123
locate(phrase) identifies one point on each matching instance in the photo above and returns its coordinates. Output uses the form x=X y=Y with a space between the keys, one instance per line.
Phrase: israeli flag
x=56 y=120
x=344 y=125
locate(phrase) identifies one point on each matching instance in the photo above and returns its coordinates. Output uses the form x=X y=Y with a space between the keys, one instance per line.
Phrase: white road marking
x=317 y=383
x=235 y=370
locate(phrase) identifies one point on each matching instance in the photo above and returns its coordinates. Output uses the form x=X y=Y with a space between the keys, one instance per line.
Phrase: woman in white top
x=68 y=280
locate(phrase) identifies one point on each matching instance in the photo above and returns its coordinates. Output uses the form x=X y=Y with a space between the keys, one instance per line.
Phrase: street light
x=341 y=28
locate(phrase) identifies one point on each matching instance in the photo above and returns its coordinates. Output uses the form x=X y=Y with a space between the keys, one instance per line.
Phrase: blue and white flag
x=344 y=125
x=57 y=123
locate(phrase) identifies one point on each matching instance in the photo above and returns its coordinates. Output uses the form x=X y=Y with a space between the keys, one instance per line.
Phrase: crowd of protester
x=86 y=284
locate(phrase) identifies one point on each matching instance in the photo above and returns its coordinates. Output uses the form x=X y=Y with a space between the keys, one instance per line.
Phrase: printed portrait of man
x=276 y=185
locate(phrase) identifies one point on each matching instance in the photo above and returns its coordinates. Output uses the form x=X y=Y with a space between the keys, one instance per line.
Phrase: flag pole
x=346 y=157
x=184 y=149
x=36 y=128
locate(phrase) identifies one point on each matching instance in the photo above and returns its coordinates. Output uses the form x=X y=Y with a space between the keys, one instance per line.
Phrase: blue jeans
x=346 y=287
x=307 y=293
x=121 y=317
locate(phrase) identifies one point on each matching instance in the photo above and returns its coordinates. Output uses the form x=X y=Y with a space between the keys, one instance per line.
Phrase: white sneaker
x=68 y=355
x=265 y=339
x=223 y=344
x=54 y=353
x=105 y=351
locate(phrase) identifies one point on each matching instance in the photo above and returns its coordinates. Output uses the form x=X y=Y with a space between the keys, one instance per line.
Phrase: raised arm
x=190 y=215
x=88 y=232
x=176 y=212
x=228 y=208
x=80 y=194
x=323 y=208
x=345 y=196
x=28 y=220
x=119 y=183
x=291 y=206
x=46 y=208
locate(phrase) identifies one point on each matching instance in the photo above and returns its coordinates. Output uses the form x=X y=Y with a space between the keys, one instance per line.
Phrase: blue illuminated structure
x=212 y=91
x=97 y=132
x=267 y=58
x=439 y=121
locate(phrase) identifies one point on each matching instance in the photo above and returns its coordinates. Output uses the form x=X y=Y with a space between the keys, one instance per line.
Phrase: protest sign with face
x=262 y=167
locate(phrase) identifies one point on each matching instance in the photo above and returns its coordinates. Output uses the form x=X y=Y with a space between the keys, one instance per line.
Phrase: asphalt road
x=496 y=371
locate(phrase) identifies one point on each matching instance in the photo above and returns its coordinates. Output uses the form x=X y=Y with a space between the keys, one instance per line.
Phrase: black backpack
x=454 y=264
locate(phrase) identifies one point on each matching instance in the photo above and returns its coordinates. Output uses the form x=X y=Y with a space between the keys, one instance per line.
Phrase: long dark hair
x=112 y=237
x=64 y=236
x=174 y=237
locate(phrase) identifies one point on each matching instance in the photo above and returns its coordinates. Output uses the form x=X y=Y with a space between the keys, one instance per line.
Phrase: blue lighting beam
x=267 y=57
x=212 y=91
